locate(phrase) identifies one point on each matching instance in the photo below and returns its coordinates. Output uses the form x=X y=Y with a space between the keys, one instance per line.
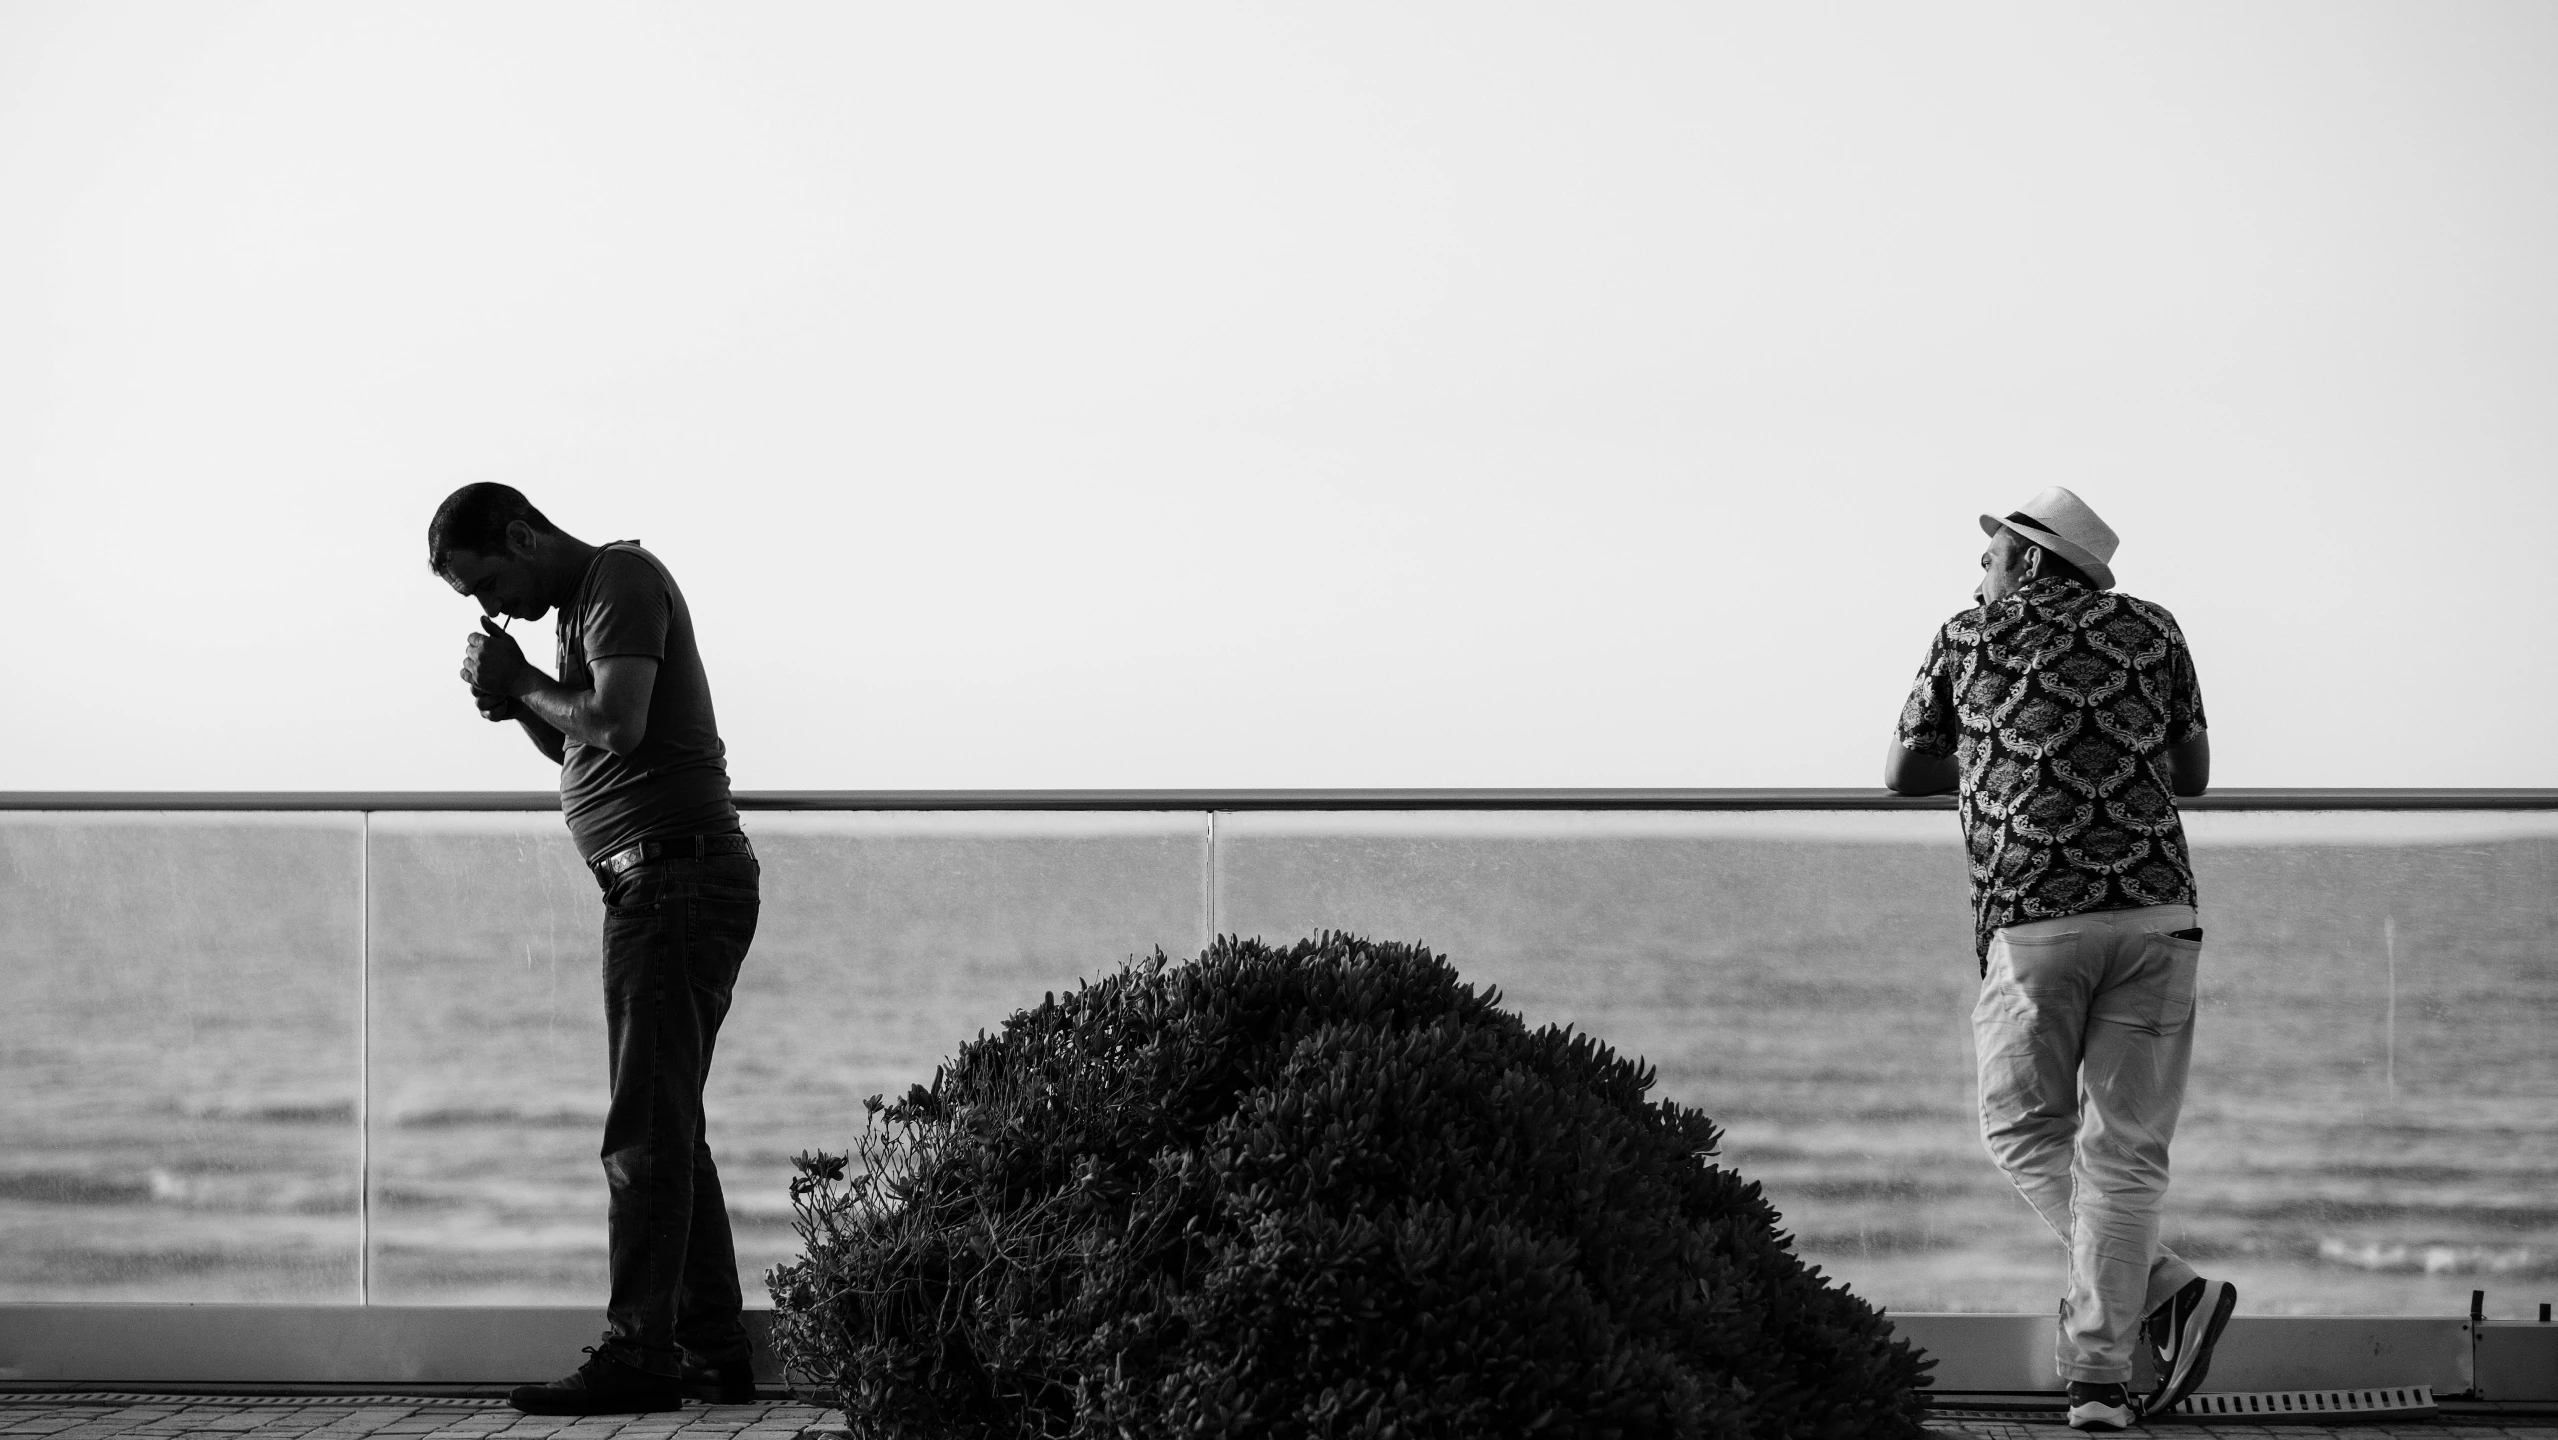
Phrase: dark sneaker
x=601 y=1386
x=722 y=1382
x=2182 y=1333
x=2101 y=1407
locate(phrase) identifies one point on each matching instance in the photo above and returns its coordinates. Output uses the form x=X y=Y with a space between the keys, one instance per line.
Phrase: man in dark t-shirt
x=644 y=786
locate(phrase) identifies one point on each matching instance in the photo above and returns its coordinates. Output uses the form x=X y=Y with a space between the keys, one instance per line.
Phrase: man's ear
x=520 y=539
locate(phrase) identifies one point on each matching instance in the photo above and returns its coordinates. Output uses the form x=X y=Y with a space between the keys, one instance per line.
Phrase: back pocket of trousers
x=2181 y=960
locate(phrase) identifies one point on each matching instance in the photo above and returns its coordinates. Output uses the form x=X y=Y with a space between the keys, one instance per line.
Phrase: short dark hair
x=475 y=518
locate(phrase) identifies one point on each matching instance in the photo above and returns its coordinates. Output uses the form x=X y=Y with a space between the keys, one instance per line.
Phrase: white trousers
x=2084 y=1029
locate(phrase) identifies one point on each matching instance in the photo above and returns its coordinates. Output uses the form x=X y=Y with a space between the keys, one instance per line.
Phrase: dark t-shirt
x=676 y=782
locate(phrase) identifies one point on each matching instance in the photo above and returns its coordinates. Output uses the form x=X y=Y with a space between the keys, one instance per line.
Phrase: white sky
x=1196 y=394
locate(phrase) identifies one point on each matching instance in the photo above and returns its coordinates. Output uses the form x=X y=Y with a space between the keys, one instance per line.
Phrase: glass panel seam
x=1208 y=890
x=364 y=1061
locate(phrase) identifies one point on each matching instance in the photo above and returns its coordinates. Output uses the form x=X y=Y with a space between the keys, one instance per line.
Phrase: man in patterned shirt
x=2068 y=717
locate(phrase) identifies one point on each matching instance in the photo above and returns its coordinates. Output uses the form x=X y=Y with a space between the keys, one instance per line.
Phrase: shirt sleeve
x=2184 y=692
x=626 y=613
x=1927 y=718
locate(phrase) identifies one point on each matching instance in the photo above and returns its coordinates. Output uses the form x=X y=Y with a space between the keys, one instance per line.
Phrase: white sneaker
x=2101 y=1407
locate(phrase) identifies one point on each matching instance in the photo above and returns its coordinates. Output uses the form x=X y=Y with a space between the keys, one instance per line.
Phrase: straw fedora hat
x=2061 y=523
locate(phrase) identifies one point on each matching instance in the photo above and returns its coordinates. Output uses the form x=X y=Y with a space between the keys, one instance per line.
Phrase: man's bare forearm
x=539 y=731
x=2189 y=766
x=1906 y=772
x=567 y=714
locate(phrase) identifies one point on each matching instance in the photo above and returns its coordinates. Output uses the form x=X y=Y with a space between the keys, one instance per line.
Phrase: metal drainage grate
x=2394 y=1402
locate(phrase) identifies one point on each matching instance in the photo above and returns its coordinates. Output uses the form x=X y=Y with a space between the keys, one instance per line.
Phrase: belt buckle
x=703 y=846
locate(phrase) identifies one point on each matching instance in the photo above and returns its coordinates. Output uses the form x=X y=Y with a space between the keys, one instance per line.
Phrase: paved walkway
x=306 y=1418
x=360 y=1418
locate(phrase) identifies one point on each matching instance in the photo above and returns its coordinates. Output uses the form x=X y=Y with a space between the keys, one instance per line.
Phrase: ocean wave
x=450 y=1117
x=1902 y=1189
x=273 y=1112
x=65 y=1187
x=1863 y=1243
x=2406 y=1258
x=270 y=1194
x=2407 y=1214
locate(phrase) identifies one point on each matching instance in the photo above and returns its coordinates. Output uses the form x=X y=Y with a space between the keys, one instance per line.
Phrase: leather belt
x=679 y=847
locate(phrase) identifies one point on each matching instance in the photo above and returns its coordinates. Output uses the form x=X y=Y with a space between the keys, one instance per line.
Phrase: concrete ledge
x=306 y=1344
x=110 y=1345
x=2517 y=1360
x=2013 y=1354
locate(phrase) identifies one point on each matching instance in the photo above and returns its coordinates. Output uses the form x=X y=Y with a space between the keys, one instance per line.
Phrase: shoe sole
x=2190 y=1377
x=2102 y=1417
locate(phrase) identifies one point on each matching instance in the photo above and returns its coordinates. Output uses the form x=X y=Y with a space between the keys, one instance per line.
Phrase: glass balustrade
x=181 y=1037
x=303 y=1058
x=485 y=1073
x=2372 y=1125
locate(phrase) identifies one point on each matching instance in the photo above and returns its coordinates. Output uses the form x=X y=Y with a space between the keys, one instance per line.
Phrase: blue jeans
x=2084 y=1028
x=675 y=933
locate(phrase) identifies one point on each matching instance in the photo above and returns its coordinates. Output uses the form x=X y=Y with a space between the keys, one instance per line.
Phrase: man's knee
x=626 y=1164
x=2016 y=1141
x=2135 y=1179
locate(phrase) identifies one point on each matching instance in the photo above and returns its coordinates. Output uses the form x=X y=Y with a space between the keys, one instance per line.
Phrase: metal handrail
x=1244 y=800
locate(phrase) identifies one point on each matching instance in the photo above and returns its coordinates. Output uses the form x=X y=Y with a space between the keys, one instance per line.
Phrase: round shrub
x=1327 y=1190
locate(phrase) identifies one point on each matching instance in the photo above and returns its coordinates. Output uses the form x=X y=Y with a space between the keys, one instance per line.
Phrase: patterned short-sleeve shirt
x=2056 y=704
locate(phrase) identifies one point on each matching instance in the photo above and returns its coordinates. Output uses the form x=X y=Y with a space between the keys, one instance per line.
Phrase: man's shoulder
x=1963 y=627
x=625 y=565
x=2151 y=611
